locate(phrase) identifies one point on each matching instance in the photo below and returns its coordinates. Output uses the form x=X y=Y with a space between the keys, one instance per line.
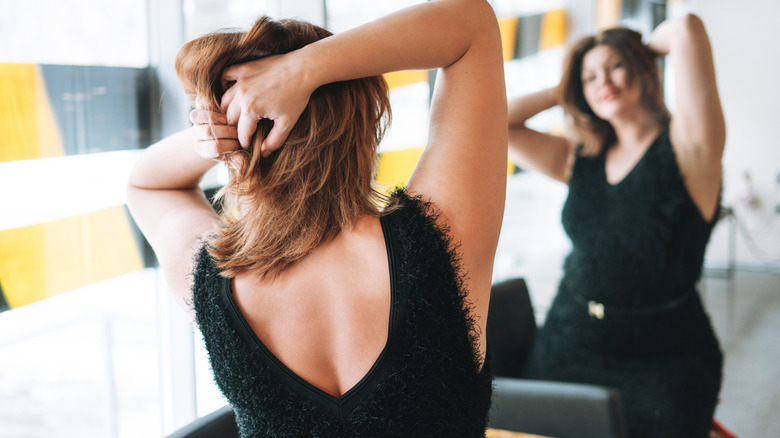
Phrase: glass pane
x=532 y=242
x=346 y=14
x=78 y=313
x=66 y=110
x=83 y=364
x=76 y=32
x=206 y=16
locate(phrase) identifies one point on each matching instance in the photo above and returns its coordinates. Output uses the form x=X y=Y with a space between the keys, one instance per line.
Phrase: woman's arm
x=464 y=164
x=697 y=129
x=460 y=36
x=549 y=154
x=463 y=168
x=430 y=35
x=169 y=208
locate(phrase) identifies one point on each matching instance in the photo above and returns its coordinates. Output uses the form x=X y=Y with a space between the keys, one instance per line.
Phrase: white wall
x=744 y=37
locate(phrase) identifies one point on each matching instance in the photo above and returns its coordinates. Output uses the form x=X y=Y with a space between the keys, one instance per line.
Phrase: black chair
x=548 y=408
x=511 y=327
x=218 y=424
x=559 y=409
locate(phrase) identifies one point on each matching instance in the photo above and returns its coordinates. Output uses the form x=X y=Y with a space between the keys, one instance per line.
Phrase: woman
x=643 y=197
x=323 y=314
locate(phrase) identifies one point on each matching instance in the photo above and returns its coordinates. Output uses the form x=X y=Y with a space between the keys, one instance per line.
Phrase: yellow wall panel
x=553 y=33
x=26 y=119
x=20 y=272
x=44 y=260
x=405 y=77
x=508 y=29
x=395 y=167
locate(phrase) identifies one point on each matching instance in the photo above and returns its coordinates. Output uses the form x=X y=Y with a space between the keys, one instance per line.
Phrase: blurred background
x=91 y=344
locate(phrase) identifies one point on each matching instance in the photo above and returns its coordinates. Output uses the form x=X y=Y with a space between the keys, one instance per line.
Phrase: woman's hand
x=214 y=138
x=271 y=88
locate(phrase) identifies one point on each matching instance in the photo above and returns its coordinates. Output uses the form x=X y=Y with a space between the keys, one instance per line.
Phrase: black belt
x=600 y=310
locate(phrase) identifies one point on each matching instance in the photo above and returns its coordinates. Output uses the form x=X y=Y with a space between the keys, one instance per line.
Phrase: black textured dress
x=425 y=383
x=627 y=314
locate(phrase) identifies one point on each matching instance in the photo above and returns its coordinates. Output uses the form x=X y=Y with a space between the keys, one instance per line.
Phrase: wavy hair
x=276 y=210
x=594 y=132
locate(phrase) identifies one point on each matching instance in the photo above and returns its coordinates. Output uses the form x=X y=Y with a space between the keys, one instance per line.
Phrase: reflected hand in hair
x=271 y=88
x=214 y=136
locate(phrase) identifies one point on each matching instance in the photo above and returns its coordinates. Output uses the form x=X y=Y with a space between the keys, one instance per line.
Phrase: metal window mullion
x=169 y=113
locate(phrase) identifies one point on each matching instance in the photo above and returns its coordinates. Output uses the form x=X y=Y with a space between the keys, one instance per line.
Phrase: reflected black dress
x=427 y=382
x=627 y=314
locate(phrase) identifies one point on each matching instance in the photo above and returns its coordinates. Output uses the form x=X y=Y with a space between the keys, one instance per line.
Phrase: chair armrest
x=557 y=409
x=218 y=424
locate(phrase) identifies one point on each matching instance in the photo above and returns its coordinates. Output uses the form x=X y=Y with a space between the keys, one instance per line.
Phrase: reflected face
x=605 y=83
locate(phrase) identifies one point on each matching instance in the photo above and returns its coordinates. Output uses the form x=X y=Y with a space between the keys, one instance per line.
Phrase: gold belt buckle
x=596 y=310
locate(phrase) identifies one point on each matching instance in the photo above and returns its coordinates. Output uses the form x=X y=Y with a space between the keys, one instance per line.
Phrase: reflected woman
x=328 y=309
x=644 y=192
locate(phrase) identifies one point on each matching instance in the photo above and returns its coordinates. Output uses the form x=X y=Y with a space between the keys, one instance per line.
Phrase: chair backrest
x=558 y=409
x=218 y=424
x=511 y=327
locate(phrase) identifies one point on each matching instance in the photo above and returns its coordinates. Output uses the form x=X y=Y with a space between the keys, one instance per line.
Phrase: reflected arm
x=697 y=128
x=546 y=153
x=698 y=115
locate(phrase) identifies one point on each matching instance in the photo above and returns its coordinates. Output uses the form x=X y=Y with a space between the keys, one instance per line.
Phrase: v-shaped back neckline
x=637 y=165
x=302 y=386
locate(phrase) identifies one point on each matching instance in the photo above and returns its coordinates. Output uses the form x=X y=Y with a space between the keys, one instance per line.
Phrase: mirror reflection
x=92 y=344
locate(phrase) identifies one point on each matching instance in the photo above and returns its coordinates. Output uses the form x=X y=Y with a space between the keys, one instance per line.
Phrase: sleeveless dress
x=426 y=382
x=627 y=314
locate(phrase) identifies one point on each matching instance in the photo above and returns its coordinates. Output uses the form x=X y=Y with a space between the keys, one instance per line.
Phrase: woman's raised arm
x=463 y=168
x=697 y=129
x=430 y=35
x=549 y=154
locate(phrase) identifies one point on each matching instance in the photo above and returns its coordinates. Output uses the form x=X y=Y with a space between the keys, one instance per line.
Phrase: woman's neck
x=634 y=131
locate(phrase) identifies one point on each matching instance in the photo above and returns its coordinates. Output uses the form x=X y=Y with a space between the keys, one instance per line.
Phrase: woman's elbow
x=691 y=25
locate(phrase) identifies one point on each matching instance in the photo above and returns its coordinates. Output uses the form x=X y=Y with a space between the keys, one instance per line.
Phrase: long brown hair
x=594 y=132
x=278 y=209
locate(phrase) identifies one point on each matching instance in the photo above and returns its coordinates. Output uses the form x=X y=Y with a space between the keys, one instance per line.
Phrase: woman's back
x=420 y=374
x=327 y=315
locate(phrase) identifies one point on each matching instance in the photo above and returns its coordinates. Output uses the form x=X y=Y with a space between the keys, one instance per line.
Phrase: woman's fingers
x=228 y=106
x=233 y=74
x=276 y=137
x=241 y=109
x=214 y=137
x=200 y=116
x=231 y=77
x=267 y=88
x=215 y=132
x=208 y=149
x=247 y=126
x=215 y=149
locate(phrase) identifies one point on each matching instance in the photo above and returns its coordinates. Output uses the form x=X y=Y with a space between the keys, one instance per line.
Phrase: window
x=90 y=342
x=79 y=345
